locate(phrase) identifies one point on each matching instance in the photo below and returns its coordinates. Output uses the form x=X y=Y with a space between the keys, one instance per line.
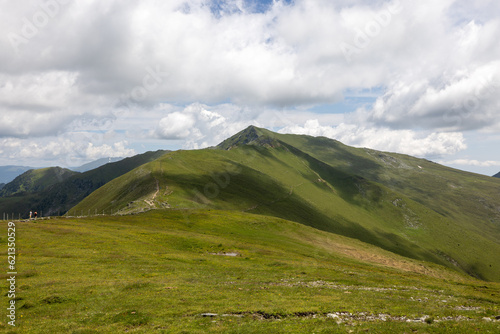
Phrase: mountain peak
x=497 y=175
x=252 y=135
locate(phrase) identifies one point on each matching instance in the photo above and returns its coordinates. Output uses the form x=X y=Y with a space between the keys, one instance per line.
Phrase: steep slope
x=497 y=175
x=58 y=199
x=469 y=200
x=36 y=180
x=260 y=173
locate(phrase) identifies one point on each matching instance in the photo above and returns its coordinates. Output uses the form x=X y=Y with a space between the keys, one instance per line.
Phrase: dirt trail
x=150 y=202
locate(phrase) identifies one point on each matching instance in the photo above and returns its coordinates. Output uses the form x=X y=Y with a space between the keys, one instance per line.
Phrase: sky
x=83 y=80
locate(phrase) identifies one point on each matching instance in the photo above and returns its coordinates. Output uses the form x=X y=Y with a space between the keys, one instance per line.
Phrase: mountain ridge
x=10 y=172
x=36 y=180
x=61 y=196
x=376 y=197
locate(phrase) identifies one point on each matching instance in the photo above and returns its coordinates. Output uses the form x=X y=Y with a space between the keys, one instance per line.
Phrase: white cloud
x=199 y=127
x=137 y=67
x=384 y=139
x=463 y=100
x=176 y=126
x=61 y=151
x=472 y=162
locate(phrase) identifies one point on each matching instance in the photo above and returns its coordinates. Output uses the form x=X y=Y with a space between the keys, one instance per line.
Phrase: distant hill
x=36 y=180
x=59 y=197
x=2 y=185
x=9 y=173
x=409 y=206
x=95 y=164
x=497 y=175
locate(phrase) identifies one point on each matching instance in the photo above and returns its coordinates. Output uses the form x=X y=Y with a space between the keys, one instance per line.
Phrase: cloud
x=62 y=151
x=176 y=126
x=384 y=139
x=465 y=100
x=288 y=55
x=85 y=66
x=200 y=127
x=472 y=162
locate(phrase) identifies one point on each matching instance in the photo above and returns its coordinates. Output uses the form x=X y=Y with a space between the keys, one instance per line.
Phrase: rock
x=487 y=319
x=497 y=317
x=209 y=315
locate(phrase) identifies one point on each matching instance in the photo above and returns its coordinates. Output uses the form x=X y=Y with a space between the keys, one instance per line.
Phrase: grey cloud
x=93 y=61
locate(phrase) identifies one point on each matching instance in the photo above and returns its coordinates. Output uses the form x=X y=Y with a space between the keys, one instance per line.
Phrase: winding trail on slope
x=150 y=202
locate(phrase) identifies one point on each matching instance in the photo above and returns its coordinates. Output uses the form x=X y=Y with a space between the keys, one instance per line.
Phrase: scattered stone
x=209 y=315
x=487 y=319
x=233 y=315
x=497 y=317
x=233 y=254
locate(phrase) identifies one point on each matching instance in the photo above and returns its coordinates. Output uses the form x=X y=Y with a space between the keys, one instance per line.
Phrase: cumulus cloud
x=199 y=127
x=384 y=139
x=197 y=71
x=60 y=151
x=465 y=100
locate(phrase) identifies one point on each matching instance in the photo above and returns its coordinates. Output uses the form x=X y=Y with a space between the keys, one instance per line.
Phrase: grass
x=162 y=270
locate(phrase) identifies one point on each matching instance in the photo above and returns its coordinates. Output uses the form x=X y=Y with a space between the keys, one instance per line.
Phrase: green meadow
x=211 y=271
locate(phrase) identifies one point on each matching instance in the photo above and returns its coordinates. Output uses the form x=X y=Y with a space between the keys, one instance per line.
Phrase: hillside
x=391 y=201
x=58 y=199
x=201 y=271
x=497 y=175
x=36 y=180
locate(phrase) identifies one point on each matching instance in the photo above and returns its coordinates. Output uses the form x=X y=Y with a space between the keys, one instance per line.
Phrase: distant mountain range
x=497 y=175
x=9 y=173
x=36 y=180
x=54 y=190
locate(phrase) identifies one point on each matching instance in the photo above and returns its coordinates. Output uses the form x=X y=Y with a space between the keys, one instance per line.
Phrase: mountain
x=408 y=206
x=497 y=175
x=36 y=180
x=9 y=173
x=95 y=164
x=61 y=196
x=2 y=185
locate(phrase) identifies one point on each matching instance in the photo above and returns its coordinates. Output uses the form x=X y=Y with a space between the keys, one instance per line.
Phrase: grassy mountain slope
x=58 y=199
x=36 y=180
x=160 y=271
x=267 y=175
x=469 y=200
